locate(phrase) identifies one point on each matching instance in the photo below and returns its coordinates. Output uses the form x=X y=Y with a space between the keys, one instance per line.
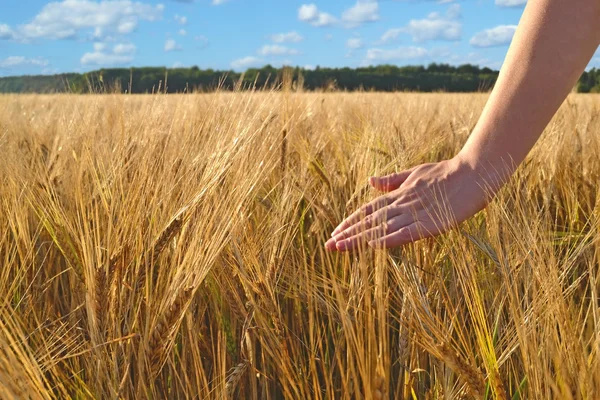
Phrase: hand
x=422 y=202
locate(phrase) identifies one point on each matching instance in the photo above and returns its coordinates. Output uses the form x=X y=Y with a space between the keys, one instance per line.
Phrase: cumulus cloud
x=201 y=40
x=510 y=3
x=435 y=27
x=289 y=37
x=70 y=18
x=363 y=11
x=354 y=43
x=310 y=14
x=172 y=45
x=180 y=19
x=276 y=50
x=124 y=49
x=6 y=32
x=246 y=62
x=473 y=58
x=392 y=34
x=401 y=53
x=498 y=36
x=13 y=62
x=122 y=53
x=100 y=46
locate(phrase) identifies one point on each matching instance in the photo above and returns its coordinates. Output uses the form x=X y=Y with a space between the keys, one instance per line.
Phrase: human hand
x=421 y=202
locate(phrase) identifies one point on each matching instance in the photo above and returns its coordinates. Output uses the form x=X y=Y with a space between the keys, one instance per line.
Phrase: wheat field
x=172 y=246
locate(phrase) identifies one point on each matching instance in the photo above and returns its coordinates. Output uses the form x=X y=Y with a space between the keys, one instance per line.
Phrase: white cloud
x=182 y=32
x=289 y=37
x=498 y=36
x=71 y=18
x=309 y=13
x=6 y=32
x=276 y=50
x=100 y=46
x=218 y=2
x=436 y=26
x=202 y=41
x=401 y=53
x=20 y=61
x=354 y=43
x=122 y=53
x=392 y=34
x=180 y=19
x=510 y=3
x=328 y=37
x=434 y=29
x=473 y=58
x=246 y=62
x=454 y=11
x=171 y=45
x=309 y=67
x=363 y=11
x=124 y=48
x=418 y=54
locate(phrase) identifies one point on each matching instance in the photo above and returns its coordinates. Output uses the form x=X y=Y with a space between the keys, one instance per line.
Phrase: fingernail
x=341 y=246
x=373 y=244
x=330 y=245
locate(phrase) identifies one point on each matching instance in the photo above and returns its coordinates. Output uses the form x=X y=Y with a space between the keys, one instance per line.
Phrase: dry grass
x=172 y=247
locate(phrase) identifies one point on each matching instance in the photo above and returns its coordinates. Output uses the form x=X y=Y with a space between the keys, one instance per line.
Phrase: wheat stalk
x=470 y=375
x=164 y=329
x=234 y=377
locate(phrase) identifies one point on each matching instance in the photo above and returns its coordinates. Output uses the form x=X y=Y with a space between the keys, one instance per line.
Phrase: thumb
x=389 y=182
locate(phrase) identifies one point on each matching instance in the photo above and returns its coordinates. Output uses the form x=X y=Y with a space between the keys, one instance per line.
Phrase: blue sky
x=44 y=37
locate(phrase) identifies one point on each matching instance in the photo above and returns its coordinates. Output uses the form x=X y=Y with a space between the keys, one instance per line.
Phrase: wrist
x=489 y=173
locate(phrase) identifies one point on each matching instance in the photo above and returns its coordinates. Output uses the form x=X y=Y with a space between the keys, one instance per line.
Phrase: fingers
x=363 y=212
x=411 y=233
x=390 y=182
x=373 y=234
x=377 y=218
x=384 y=183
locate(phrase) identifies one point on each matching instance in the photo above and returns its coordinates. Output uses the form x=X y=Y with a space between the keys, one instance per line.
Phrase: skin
x=553 y=43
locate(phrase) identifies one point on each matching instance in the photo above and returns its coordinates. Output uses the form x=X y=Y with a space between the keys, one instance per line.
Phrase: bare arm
x=552 y=45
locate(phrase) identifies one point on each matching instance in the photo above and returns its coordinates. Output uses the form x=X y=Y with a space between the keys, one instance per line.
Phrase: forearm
x=552 y=45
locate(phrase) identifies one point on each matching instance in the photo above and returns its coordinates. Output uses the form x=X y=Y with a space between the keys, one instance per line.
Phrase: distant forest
x=434 y=77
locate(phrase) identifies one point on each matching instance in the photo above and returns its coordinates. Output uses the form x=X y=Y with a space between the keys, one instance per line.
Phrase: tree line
x=589 y=82
x=434 y=77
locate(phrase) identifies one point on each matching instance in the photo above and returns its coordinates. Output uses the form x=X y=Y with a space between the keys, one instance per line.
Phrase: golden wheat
x=171 y=246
